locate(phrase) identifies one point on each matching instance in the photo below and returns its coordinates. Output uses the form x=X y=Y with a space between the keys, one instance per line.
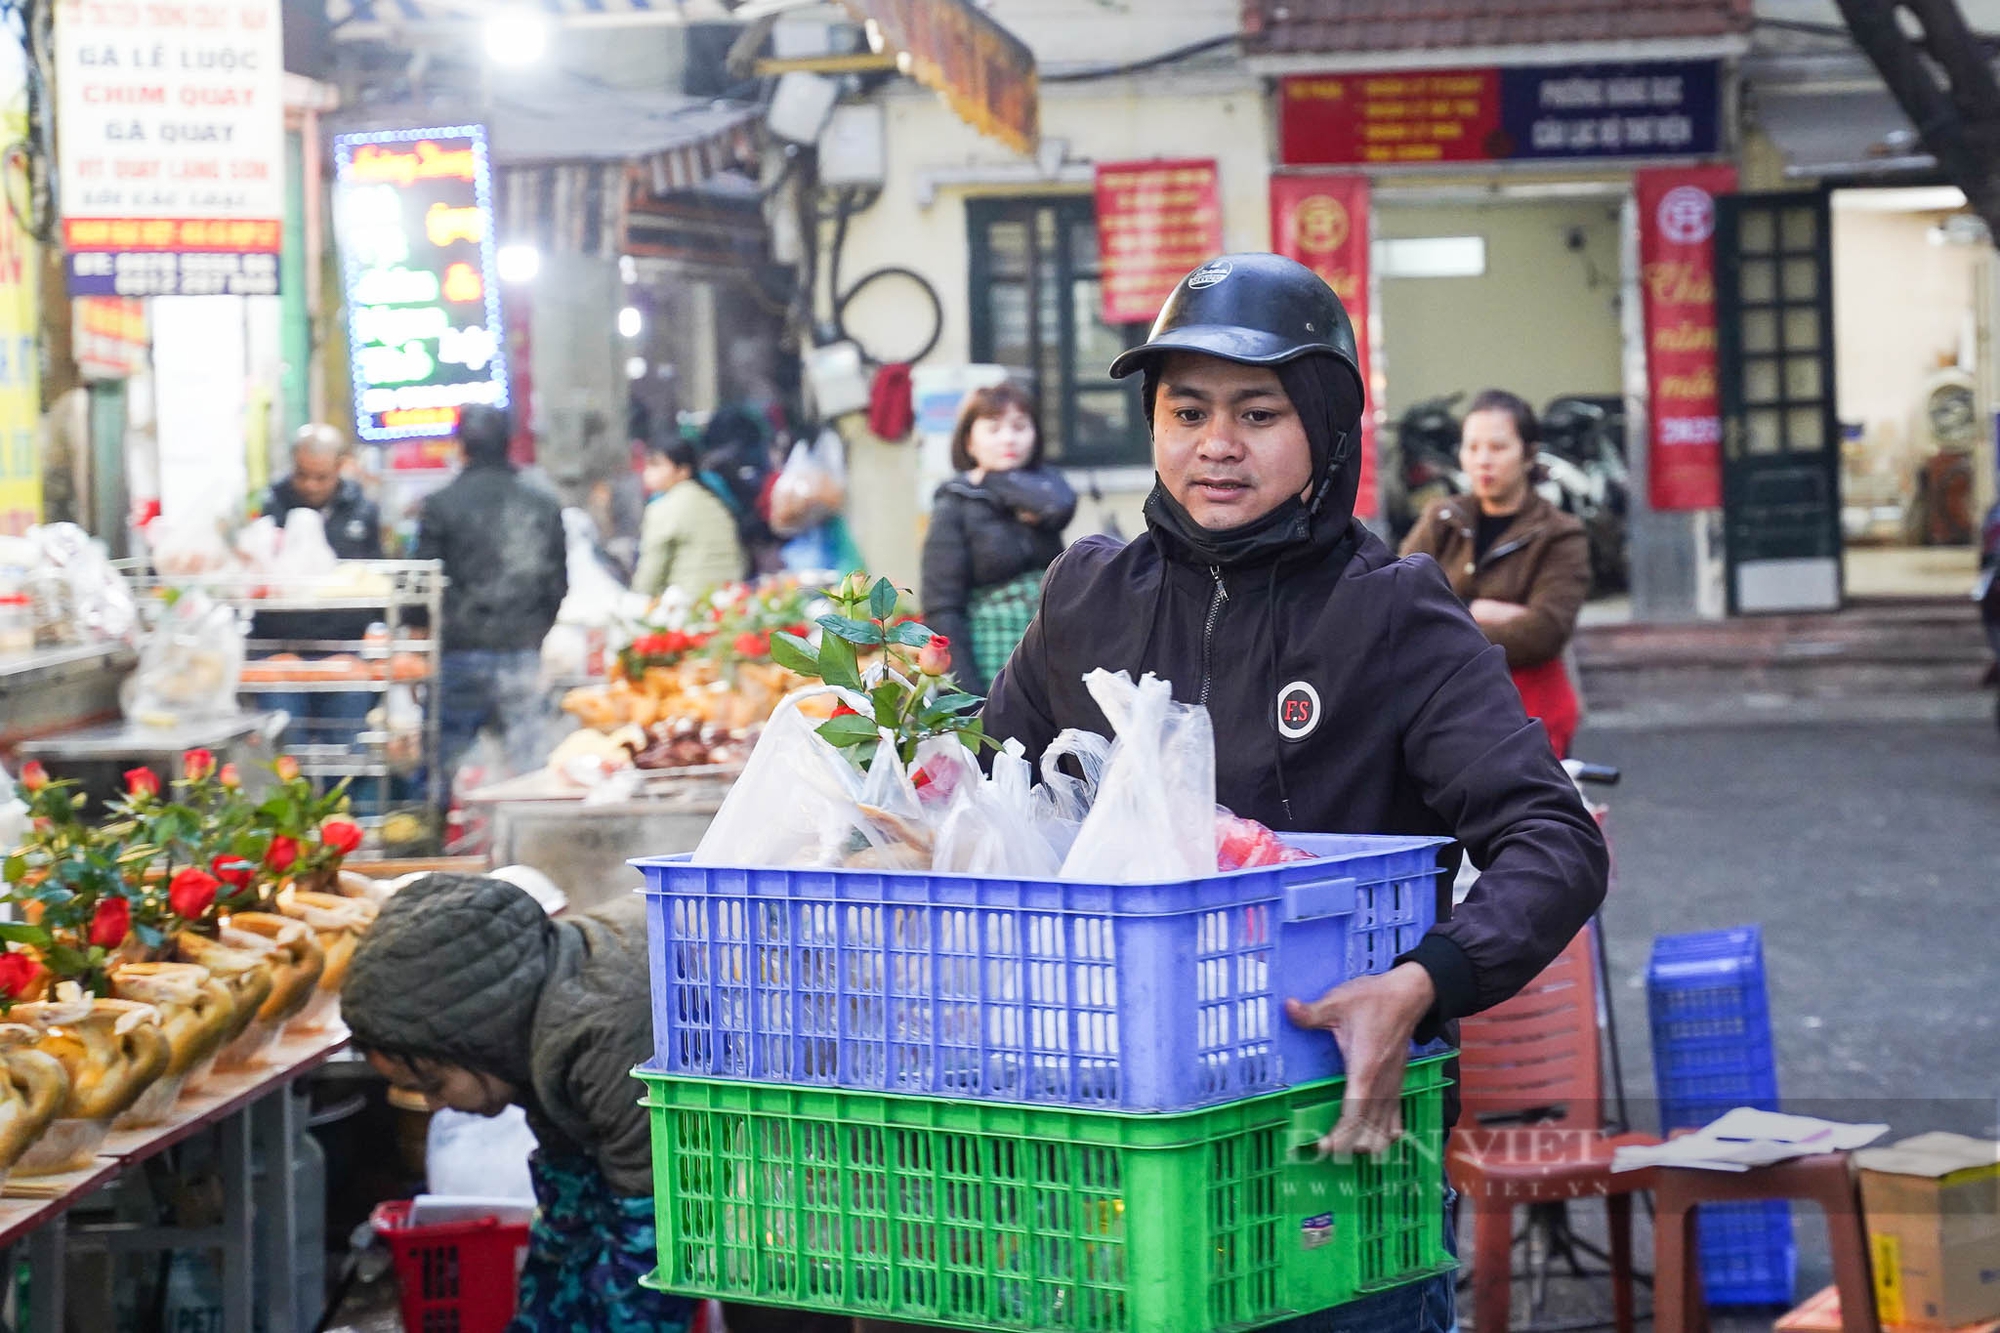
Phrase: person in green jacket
x=687 y=539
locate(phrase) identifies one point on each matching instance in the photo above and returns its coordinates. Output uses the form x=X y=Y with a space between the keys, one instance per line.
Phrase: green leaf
x=882 y=599
x=794 y=654
x=150 y=936
x=65 y=961
x=956 y=703
x=20 y=932
x=865 y=633
x=888 y=707
x=15 y=867
x=837 y=664
x=847 y=729
x=910 y=634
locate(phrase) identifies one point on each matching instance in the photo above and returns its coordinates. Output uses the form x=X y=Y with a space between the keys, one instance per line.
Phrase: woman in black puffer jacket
x=995 y=529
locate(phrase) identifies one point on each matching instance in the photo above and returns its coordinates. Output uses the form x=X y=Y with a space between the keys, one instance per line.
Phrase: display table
x=582 y=842
x=259 y=1218
x=54 y=689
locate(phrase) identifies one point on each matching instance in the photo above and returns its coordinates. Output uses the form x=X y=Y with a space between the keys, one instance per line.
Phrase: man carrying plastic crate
x=1350 y=691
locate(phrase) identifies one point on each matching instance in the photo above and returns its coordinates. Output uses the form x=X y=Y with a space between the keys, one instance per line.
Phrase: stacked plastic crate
x=1712 y=1052
x=1027 y=1104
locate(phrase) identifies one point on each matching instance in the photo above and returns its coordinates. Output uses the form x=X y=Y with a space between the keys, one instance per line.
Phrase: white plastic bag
x=1154 y=813
x=466 y=1154
x=799 y=802
x=306 y=553
x=998 y=827
x=189 y=665
x=811 y=488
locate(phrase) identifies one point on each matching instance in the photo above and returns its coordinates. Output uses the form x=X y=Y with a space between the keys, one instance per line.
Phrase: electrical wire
x=1141 y=66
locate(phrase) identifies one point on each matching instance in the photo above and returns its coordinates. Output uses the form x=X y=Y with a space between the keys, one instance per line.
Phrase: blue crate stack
x=1712 y=1052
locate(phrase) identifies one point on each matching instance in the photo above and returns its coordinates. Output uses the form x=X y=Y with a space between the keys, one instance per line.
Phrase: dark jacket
x=1540 y=560
x=1419 y=730
x=468 y=970
x=501 y=540
x=985 y=534
x=354 y=531
x=353 y=523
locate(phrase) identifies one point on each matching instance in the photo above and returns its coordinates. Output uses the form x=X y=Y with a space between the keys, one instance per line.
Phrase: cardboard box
x=1932 y=1205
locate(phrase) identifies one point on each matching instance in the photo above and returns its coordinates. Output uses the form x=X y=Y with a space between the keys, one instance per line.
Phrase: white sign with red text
x=171 y=146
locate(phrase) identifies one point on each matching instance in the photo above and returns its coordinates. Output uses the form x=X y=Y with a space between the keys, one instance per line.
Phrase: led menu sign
x=413 y=211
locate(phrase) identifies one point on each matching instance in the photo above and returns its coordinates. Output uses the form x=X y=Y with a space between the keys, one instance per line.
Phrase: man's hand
x=1372 y=1019
x=1491 y=613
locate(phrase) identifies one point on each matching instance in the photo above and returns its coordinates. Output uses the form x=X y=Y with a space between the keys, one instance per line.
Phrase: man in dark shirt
x=353 y=523
x=353 y=528
x=505 y=562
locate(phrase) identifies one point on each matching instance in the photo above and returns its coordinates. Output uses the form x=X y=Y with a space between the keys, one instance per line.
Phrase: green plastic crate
x=985 y=1215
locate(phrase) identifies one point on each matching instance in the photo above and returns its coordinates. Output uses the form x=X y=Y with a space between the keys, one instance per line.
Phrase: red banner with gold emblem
x=1322 y=221
x=1677 y=276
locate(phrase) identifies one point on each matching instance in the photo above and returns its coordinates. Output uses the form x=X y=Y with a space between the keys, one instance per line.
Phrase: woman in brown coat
x=1521 y=565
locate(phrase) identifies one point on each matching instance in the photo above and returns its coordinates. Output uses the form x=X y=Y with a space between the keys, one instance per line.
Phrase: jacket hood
x=1318 y=528
x=1038 y=491
x=453 y=970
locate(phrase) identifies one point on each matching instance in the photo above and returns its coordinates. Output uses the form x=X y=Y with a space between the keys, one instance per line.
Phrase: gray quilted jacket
x=467 y=970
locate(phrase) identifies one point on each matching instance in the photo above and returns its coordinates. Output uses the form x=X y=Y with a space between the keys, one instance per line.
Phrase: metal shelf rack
x=413 y=591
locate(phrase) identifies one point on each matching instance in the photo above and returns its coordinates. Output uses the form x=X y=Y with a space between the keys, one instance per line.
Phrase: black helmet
x=1257 y=309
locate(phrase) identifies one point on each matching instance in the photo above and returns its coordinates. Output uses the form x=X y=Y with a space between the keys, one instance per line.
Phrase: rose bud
x=229 y=777
x=343 y=835
x=288 y=768
x=17 y=974
x=110 y=923
x=33 y=776
x=934 y=658
x=197 y=765
x=282 y=854
x=141 y=784
x=192 y=892
x=233 y=871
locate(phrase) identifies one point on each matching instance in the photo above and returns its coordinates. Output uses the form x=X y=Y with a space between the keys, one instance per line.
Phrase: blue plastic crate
x=1135 y=997
x=1748 y=1253
x=1712 y=1052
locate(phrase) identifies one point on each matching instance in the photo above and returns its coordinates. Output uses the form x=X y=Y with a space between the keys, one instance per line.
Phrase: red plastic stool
x=1826 y=1179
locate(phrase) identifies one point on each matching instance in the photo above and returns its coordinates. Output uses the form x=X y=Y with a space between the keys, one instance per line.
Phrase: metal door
x=1780 y=436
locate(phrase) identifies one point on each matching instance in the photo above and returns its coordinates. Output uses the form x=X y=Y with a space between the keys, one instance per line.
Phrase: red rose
x=110 y=923
x=752 y=644
x=141 y=783
x=842 y=710
x=287 y=767
x=17 y=974
x=196 y=765
x=343 y=835
x=33 y=776
x=229 y=777
x=231 y=870
x=934 y=658
x=192 y=891
x=282 y=854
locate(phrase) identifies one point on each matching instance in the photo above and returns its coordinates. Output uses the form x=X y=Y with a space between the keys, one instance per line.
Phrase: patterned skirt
x=1000 y=616
x=587 y=1250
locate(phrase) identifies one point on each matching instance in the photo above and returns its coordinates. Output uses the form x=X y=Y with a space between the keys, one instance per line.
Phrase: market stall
x=659 y=742
x=167 y=965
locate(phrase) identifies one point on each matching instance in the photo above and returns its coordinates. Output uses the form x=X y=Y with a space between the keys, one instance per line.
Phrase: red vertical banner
x=1322 y=221
x=1677 y=279
x=1156 y=222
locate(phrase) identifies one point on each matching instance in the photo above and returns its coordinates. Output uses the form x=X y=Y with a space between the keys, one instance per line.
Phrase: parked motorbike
x=1426 y=469
x=1583 y=452
x=1987 y=593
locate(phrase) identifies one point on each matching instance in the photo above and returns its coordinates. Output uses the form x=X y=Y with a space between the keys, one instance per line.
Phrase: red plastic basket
x=461 y=1277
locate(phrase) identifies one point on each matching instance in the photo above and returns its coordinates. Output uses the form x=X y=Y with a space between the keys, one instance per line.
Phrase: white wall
x=930 y=151
x=1535 y=323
